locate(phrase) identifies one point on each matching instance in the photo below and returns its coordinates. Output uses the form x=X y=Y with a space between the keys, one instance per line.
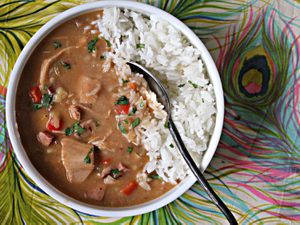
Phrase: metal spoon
x=162 y=96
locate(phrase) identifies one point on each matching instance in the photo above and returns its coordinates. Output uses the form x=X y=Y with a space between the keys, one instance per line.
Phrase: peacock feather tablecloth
x=256 y=46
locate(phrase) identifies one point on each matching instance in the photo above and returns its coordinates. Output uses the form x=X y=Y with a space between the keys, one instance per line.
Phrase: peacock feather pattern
x=256 y=169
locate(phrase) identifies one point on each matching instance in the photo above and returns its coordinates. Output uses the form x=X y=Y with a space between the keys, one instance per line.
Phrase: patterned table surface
x=256 y=46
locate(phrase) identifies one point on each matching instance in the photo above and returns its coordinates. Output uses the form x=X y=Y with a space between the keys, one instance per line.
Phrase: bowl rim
x=20 y=152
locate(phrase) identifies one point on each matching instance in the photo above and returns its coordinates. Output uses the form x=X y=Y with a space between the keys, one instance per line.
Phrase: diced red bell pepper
x=35 y=94
x=51 y=127
x=127 y=190
x=122 y=109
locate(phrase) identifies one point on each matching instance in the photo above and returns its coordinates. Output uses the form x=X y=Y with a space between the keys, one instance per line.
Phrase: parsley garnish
x=129 y=149
x=87 y=158
x=181 y=85
x=136 y=122
x=115 y=171
x=107 y=42
x=140 y=46
x=193 y=84
x=142 y=104
x=123 y=100
x=126 y=121
x=171 y=145
x=56 y=44
x=46 y=102
x=125 y=81
x=69 y=131
x=122 y=128
x=76 y=128
x=92 y=45
x=155 y=176
x=166 y=125
x=37 y=106
x=134 y=109
x=66 y=65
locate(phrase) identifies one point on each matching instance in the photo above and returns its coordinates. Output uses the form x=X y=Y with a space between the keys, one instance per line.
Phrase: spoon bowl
x=154 y=84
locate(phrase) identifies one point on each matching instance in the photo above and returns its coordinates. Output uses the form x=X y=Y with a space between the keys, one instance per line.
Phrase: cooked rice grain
x=165 y=51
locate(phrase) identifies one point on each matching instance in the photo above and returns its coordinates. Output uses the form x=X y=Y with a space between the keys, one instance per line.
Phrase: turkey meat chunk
x=73 y=154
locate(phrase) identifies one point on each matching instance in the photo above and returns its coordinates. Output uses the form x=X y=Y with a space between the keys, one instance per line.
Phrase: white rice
x=170 y=56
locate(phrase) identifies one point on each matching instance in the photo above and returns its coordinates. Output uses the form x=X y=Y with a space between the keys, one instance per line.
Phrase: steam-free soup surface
x=66 y=118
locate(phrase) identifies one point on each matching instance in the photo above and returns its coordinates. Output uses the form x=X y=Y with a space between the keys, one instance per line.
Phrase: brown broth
x=47 y=160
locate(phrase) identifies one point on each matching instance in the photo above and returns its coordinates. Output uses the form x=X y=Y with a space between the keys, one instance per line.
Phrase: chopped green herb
x=87 y=158
x=136 y=122
x=171 y=145
x=193 y=84
x=126 y=121
x=134 y=109
x=37 y=106
x=102 y=57
x=123 y=100
x=122 y=128
x=56 y=44
x=69 y=131
x=129 y=149
x=45 y=88
x=155 y=176
x=140 y=46
x=92 y=45
x=125 y=81
x=66 y=65
x=76 y=128
x=115 y=171
x=107 y=42
x=46 y=100
x=166 y=125
x=181 y=85
x=142 y=104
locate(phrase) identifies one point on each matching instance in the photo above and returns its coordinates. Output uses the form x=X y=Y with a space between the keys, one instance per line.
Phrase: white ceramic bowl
x=13 y=128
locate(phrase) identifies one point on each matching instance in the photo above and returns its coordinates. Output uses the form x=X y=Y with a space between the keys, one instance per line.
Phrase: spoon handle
x=203 y=182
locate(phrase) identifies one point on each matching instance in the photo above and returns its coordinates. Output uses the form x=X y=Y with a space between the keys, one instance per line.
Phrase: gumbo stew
x=66 y=113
